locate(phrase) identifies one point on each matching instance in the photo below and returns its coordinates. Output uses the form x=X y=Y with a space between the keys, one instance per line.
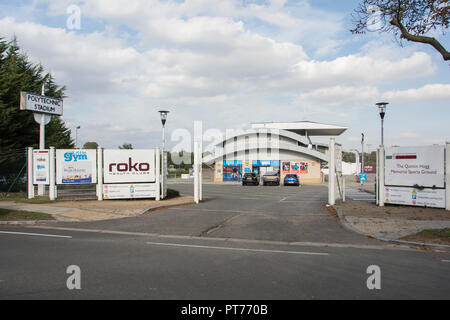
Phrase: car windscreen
x=270 y=173
x=291 y=176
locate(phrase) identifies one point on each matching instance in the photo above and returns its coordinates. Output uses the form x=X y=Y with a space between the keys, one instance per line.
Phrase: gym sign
x=41 y=104
x=133 y=166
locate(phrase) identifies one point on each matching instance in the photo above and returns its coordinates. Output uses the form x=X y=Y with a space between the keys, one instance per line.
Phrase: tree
x=18 y=128
x=126 y=146
x=349 y=157
x=406 y=19
x=90 y=145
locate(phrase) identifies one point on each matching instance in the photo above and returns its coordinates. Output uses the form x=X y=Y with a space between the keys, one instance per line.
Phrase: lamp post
x=382 y=109
x=76 y=136
x=163 y=114
x=380 y=171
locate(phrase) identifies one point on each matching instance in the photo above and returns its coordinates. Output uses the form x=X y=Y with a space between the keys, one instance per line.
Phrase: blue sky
x=229 y=63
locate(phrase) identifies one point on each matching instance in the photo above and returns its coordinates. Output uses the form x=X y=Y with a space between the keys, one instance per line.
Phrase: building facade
x=281 y=147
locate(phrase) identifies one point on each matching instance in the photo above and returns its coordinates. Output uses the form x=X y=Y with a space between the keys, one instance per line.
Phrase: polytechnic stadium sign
x=42 y=104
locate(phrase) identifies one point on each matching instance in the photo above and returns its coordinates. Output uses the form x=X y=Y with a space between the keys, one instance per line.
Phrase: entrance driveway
x=292 y=214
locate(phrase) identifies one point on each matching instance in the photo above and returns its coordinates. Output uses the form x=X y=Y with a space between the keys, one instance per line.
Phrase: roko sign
x=121 y=166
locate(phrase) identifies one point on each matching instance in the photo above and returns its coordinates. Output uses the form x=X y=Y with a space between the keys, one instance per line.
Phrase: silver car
x=271 y=177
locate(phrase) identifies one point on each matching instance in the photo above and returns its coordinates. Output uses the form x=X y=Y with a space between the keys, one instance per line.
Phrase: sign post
x=43 y=108
x=381 y=193
x=447 y=177
x=30 y=173
x=52 y=185
x=331 y=173
x=100 y=174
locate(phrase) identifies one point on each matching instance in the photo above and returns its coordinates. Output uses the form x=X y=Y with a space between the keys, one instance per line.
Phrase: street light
x=163 y=114
x=382 y=109
x=76 y=136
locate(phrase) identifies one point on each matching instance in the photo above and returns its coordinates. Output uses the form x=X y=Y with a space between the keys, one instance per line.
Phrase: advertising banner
x=286 y=167
x=129 y=191
x=414 y=197
x=133 y=166
x=41 y=166
x=304 y=166
x=410 y=166
x=295 y=167
x=76 y=166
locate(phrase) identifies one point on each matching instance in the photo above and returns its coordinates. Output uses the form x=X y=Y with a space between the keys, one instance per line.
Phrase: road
x=242 y=243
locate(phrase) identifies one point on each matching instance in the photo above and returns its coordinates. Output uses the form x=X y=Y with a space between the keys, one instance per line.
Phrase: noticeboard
x=129 y=191
x=415 y=166
x=76 y=166
x=41 y=166
x=427 y=197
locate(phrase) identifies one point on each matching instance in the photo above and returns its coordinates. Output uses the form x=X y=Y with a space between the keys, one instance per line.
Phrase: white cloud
x=339 y=95
x=430 y=92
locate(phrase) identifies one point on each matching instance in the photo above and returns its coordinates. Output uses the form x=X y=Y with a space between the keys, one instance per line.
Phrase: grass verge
x=17 y=215
x=436 y=236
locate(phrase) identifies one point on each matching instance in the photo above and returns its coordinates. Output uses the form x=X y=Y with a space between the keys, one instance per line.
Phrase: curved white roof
x=303 y=127
x=242 y=146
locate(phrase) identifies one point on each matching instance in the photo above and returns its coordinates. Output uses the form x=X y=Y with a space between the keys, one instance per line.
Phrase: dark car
x=250 y=178
x=291 y=180
x=271 y=177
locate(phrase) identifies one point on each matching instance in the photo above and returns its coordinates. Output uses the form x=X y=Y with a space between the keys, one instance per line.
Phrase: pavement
x=240 y=243
x=93 y=210
x=390 y=222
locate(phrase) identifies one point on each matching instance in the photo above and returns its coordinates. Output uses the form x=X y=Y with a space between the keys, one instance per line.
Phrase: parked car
x=291 y=180
x=271 y=177
x=250 y=178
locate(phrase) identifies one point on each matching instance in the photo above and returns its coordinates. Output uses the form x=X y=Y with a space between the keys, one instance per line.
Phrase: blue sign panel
x=232 y=163
x=362 y=177
x=266 y=163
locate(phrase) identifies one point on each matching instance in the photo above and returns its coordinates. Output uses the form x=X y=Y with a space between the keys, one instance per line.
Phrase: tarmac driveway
x=292 y=214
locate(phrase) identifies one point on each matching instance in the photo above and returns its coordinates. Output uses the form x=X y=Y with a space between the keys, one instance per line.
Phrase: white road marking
x=36 y=234
x=445 y=260
x=236 y=249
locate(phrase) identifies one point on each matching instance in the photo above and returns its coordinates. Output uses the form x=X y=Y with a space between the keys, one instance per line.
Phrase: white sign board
x=410 y=166
x=76 y=166
x=129 y=191
x=132 y=166
x=41 y=164
x=42 y=104
x=414 y=197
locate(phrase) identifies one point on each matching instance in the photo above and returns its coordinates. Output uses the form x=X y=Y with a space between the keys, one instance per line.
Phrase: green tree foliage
x=90 y=145
x=18 y=128
x=126 y=146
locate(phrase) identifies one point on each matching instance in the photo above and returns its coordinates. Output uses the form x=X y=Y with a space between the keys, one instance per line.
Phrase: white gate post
x=196 y=173
x=377 y=178
x=381 y=194
x=158 y=174
x=100 y=174
x=30 y=173
x=447 y=176
x=331 y=173
x=200 y=171
x=51 y=187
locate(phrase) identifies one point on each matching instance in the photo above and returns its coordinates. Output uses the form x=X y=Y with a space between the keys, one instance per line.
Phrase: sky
x=229 y=63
